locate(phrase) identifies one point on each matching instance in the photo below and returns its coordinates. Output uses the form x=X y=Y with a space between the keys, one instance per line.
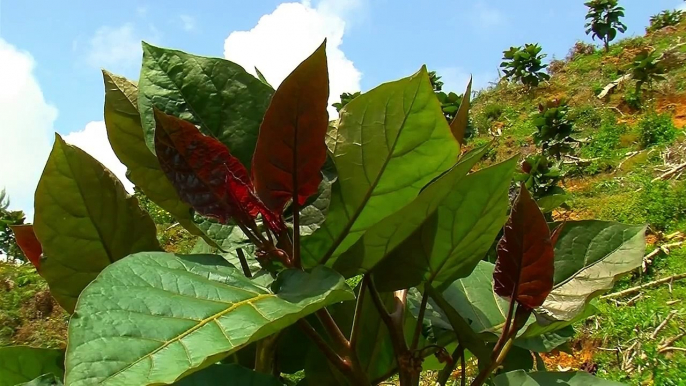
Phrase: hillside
x=625 y=164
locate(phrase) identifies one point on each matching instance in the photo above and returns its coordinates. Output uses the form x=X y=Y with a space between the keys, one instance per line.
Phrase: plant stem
x=333 y=357
x=463 y=372
x=447 y=371
x=265 y=356
x=420 y=319
x=486 y=372
x=332 y=329
x=296 y=230
x=244 y=263
x=355 y=330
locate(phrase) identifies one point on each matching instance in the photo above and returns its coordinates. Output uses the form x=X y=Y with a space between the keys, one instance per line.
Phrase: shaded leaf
x=233 y=374
x=98 y=222
x=524 y=269
x=125 y=134
x=383 y=237
x=261 y=77
x=29 y=244
x=20 y=364
x=290 y=148
x=378 y=134
x=452 y=241
x=589 y=257
x=459 y=124
x=220 y=96
x=44 y=380
x=541 y=378
x=153 y=317
x=206 y=175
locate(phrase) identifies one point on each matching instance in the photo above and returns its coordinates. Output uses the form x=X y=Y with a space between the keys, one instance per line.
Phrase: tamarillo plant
x=525 y=65
x=553 y=128
x=286 y=205
x=664 y=19
x=604 y=20
x=646 y=68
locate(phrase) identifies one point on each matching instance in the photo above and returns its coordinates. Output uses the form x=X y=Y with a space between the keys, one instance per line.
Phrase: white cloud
x=26 y=129
x=93 y=140
x=284 y=38
x=117 y=48
x=187 y=22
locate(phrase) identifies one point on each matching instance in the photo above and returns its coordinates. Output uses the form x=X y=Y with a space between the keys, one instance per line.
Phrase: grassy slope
x=602 y=190
x=599 y=190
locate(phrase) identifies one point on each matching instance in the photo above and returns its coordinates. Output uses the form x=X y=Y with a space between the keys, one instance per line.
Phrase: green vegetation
x=664 y=19
x=525 y=65
x=604 y=20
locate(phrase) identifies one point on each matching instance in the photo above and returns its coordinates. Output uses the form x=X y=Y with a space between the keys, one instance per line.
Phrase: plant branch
x=447 y=371
x=357 y=319
x=420 y=319
x=332 y=329
x=244 y=263
x=632 y=290
x=296 y=229
x=342 y=365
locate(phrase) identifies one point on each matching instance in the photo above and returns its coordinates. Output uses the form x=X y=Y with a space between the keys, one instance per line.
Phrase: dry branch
x=668 y=174
x=632 y=290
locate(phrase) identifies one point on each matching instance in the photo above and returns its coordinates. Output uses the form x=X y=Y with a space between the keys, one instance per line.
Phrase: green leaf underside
x=522 y=378
x=589 y=257
x=231 y=374
x=453 y=239
x=383 y=237
x=155 y=317
x=390 y=142
x=20 y=364
x=220 y=96
x=85 y=221
x=125 y=134
x=44 y=380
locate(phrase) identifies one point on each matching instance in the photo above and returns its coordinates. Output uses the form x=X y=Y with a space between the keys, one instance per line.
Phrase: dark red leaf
x=29 y=244
x=206 y=175
x=290 y=148
x=524 y=269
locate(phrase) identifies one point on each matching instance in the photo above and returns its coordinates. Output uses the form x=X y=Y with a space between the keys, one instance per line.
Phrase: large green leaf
x=522 y=378
x=44 y=380
x=153 y=317
x=125 y=134
x=234 y=375
x=390 y=142
x=387 y=234
x=589 y=256
x=219 y=96
x=85 y=221
x=20 y=364
x=452 y=240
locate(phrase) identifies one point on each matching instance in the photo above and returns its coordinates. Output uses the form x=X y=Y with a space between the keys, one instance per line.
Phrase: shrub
x=605 y=140
x=665 y=19
x=524 y=65
x=556 y=66
x=580 y=49
x=633 y=99
x=656 y=129
x=646 y=68
x=264 y=292
x=346 y=97
x=604 y=20
x=553 y=128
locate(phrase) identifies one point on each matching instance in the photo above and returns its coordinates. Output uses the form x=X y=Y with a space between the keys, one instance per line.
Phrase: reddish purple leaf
x=206 y=175
x=524 y=269
x=29 y=244
x=290 y=148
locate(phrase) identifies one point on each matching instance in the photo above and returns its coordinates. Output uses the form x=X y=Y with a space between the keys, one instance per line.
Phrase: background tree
x=603 y=20
x=525 y=65
x=8 y=245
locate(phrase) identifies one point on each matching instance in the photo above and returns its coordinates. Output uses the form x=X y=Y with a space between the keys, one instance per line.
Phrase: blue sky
x=51 y=53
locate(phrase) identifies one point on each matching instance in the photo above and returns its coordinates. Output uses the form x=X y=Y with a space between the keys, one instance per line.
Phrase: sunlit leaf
x=153 y=317
x=542 y=378
x=85 y=221
x=290 y=148
x=525 y=267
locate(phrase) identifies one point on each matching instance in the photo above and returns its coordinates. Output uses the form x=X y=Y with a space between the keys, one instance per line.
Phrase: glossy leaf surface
x=589 y=257
x=98 y=222
x=525 y=266
x=29 y=244
x=218 y=95
x=205 y=174
x=20 y=364
x=452 y=240
x=152 y=317
x=382 y=238
x=125 y=134
x=389 y=143
x=290 y=148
